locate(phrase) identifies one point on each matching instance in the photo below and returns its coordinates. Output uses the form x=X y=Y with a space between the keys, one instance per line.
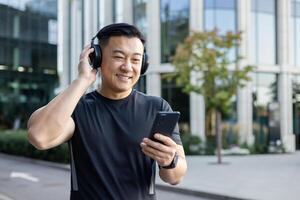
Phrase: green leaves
x=208 y=56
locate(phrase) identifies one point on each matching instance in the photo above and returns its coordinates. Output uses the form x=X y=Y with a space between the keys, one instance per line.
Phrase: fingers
x=86 y=52
x=164 y=139
x=150 y=152
x=156 y=145
x=162 y=153
x=162 y=161
x=161 y=158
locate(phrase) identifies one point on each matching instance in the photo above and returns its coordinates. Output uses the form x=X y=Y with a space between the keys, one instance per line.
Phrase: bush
x=192 y=144
x=16 y=143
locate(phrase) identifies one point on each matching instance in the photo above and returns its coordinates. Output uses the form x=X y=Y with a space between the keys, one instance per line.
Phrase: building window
x=174 y=17
x=117 y=11
x=294 y=33
x=296 y=109
x=139 y=15
x=28 y=58
x=140 y=20
x=263 y=34
x=220 y=14
x=179 y=101
x=266 y=125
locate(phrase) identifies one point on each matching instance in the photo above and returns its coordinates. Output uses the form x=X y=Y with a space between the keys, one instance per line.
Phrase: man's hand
x=163 y=152
x=85 y=72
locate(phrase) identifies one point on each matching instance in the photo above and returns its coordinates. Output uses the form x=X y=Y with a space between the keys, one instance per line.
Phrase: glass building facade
x=222 y=16
x=139 y=15
x=265 y=103
x=179 y=102
x=296 y=109
x=266 y=109
x=263 y=36
x=174 y=23
x=28 y=58
x=294 y=33
x=140 y=20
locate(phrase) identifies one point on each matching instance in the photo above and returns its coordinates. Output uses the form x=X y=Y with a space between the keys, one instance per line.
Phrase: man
x=107 y=129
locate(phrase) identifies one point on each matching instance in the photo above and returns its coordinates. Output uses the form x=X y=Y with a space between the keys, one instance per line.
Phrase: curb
x=197 y=193
x=36 y=161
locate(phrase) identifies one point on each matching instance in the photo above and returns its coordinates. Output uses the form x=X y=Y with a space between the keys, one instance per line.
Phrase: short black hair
x=118 y=29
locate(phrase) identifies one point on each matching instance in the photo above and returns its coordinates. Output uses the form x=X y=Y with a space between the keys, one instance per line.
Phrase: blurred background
x=40 y=42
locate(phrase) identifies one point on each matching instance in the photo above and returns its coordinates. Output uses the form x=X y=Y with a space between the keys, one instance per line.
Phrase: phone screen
x=164 y=123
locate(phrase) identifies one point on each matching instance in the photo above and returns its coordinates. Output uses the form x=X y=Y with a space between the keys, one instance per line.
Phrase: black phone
x=164 y=123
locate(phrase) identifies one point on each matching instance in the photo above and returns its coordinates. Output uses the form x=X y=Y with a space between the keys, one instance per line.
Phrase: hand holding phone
x=164 y=123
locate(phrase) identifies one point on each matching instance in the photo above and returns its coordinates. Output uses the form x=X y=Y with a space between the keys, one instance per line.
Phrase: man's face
x=121 y=64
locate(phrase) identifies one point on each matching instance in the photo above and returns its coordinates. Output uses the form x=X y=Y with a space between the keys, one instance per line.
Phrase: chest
x=117 y=128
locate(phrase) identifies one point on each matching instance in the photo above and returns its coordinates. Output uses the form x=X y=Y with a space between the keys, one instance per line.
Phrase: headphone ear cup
x=145 y=63
x=96 y=56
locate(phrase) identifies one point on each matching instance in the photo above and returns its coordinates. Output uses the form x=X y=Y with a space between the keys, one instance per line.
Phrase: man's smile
x=123 y=77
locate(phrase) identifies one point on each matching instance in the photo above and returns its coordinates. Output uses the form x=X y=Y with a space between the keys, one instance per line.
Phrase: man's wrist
x=82 y=82
x=173 y=163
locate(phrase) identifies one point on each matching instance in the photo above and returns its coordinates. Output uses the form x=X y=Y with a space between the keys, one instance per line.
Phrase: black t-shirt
x=106 y=157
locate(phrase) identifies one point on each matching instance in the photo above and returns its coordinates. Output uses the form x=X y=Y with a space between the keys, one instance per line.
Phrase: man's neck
x=113 y=95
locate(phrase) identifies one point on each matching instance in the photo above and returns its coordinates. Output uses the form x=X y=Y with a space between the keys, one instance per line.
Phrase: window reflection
x=294 y=33
x=263 y=48
x=265 y=108
x=221 y=15
x=140 y=20
x=296 y=109
x=28 y=58
x=179 y=102
x=139 y=15
x=220 y=4
x=174 y=16
x=264 y=6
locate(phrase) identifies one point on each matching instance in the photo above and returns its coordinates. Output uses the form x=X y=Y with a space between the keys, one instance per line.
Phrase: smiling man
x=108 y=129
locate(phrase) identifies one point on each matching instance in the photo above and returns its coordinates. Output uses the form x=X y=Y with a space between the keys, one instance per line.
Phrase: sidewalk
x=255 y=177
x=259 y=177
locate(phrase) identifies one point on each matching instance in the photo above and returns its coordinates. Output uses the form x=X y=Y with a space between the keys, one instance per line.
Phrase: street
x=27 y=179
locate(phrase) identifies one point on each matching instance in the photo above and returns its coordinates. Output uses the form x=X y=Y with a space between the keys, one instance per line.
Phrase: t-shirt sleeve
x=176 y=134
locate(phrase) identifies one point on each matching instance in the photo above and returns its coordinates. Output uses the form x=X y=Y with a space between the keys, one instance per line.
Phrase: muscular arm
x=163 y=154
x=52 y=124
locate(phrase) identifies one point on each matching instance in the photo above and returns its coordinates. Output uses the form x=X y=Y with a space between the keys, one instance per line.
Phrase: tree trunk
x=219 y=135
x=210 y=123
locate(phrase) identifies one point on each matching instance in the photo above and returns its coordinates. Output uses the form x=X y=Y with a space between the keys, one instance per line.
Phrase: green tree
x=202 y=65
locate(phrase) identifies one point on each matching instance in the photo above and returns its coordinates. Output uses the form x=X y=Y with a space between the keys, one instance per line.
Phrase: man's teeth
x=123 y=77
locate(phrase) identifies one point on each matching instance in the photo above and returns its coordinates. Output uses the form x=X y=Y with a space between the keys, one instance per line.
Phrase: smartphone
x=164 y=123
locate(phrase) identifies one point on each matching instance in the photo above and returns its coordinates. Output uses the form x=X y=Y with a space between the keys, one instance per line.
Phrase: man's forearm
x=174 y=176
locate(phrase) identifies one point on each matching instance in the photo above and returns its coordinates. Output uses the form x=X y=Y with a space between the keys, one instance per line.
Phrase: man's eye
x=136 y=60
x=118 y=57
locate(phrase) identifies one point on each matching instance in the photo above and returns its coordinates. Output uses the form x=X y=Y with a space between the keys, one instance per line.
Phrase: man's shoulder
x=90 y=96
x=87 y=99
x=147 y=98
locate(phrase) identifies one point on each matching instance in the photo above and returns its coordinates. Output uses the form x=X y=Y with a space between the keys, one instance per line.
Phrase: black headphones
x=119 y=29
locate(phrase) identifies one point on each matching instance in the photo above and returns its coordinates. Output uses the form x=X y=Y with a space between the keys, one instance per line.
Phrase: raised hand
x=85 y=70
